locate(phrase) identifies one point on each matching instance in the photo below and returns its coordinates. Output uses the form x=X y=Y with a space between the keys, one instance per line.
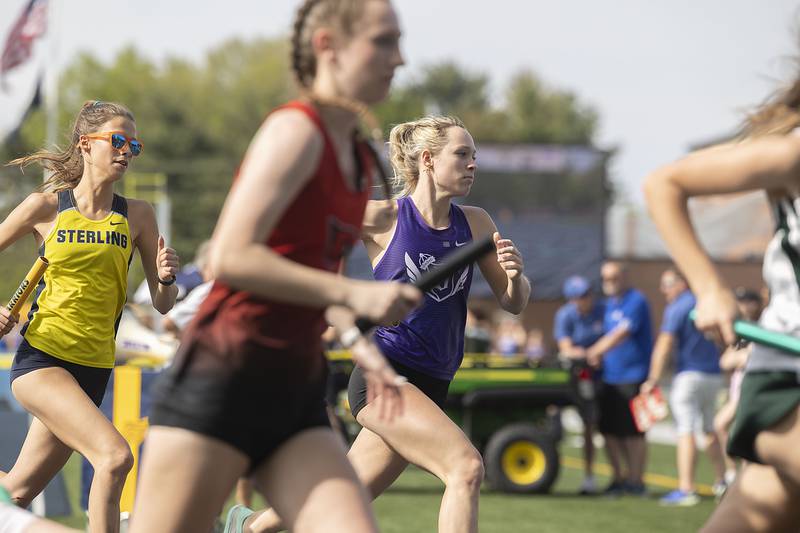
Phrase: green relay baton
x=753 y=332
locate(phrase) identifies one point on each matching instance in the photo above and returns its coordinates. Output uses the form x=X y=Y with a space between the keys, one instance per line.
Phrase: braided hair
x=341 y=15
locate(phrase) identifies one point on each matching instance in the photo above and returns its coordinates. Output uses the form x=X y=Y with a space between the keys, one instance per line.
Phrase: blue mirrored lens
x=136 y=147
x=118 y=141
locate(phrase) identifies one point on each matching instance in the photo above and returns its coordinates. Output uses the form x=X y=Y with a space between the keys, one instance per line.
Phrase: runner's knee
x=787 y=464
x=116 y=462
x=468 y=469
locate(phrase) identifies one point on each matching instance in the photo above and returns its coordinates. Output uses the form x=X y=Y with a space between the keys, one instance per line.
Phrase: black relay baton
x=462 y=256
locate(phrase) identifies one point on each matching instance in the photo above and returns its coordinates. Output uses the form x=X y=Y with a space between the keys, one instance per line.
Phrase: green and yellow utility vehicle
x=509 y=410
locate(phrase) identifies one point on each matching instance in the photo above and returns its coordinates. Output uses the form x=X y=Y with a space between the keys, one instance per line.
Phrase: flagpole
x=39 y=505
x=51 y=75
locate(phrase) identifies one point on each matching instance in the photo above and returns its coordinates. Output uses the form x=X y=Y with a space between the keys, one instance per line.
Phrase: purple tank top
x=431 y=338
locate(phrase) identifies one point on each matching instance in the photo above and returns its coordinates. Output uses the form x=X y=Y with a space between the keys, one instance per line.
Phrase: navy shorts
x=433 y=388
x=616 y=418
x=92 y=380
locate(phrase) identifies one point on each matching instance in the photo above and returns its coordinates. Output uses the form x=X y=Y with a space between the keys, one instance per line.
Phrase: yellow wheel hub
x=523 y=462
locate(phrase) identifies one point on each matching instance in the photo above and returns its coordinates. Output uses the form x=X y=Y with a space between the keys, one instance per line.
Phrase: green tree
x=539 y=115
x=196 y=120
x=448 y=89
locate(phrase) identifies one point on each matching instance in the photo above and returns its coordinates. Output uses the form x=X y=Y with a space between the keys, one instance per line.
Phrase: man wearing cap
x=624 y=353
x=578 y=325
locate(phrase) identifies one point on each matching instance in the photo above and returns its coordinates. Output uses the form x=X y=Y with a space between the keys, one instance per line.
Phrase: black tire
x=521 y=459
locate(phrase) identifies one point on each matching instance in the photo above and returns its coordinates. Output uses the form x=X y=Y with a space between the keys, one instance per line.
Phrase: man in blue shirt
x=578 y=325
x=697 y=382
x=624 y=352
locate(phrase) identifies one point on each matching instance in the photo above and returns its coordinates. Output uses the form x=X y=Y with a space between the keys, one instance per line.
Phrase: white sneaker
x=588 y=486
x=719 y=489
x=236 y=517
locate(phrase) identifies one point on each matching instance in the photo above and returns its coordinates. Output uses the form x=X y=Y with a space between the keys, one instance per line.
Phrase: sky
x=662 y=74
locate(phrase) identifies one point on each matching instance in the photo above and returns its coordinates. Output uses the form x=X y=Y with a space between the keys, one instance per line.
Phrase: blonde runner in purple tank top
x=431 y=338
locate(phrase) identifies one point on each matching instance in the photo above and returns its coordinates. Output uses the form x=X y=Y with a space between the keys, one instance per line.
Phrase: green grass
x=412 y=504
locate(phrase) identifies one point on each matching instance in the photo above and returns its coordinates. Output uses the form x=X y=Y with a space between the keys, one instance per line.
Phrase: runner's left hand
x=167 y=261
x=509 y=257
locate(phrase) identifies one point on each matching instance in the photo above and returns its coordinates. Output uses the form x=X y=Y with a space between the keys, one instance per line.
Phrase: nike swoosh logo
x=116 y=223
x=461 y=243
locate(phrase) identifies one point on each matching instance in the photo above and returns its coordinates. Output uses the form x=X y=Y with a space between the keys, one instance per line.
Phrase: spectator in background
x=751 y=302
x=179 y=317
x=624 y=353
x=477 y=332
x=510 y=337
x=535 y=351
x=695 y=387
x=733 y=360
x=578 y=325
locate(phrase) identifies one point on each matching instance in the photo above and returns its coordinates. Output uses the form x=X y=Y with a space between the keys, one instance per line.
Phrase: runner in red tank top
x=246 y=393
x=317 y=230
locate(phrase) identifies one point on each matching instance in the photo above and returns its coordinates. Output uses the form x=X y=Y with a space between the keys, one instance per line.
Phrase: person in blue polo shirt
x=578 y=325
x=624 y=352
x=697 y=382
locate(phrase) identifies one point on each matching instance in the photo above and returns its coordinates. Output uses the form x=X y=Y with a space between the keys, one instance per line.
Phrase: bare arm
x=33 y=215
x=158 y=260
x=771 y=163
x=503 y=271
x=661 y=352
x=380 y=219
x=29 y=217
x=567 y=349
x=612 y=339
x=279 y=163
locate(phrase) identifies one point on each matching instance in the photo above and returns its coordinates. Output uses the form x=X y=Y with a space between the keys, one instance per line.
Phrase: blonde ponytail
x=408 y=140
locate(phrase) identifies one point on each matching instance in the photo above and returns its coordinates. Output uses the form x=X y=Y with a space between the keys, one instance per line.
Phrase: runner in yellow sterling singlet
x=69 y=318
x=64 y=361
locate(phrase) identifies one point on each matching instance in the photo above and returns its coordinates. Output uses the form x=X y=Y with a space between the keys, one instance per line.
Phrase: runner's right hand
x=7 y=321
x=383 y=303
x=648 y=386
x=716 y=310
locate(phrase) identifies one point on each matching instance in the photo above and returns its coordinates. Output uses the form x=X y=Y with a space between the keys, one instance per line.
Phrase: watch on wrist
x=350 y=337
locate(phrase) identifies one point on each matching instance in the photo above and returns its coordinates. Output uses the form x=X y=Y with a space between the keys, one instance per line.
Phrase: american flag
x=31 y=24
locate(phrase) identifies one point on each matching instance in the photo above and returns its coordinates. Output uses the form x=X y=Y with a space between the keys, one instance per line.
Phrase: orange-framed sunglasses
x=118 y=140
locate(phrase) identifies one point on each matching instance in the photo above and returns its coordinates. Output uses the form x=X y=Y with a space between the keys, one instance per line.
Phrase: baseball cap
x=743 y=294
x=575 y=287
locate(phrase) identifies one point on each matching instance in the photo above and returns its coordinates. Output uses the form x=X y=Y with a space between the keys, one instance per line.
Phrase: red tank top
x=317 y=230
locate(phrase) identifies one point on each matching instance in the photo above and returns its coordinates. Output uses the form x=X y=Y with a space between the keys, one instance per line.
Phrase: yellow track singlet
x=78 y=303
